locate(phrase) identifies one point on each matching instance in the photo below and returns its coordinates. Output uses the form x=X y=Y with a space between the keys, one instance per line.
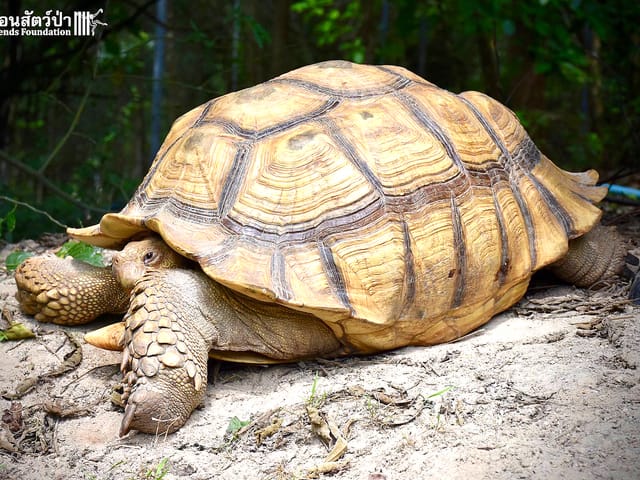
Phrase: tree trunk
x=280 y=62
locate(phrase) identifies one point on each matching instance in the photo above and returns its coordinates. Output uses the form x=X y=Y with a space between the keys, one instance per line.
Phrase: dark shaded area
x=76 y=112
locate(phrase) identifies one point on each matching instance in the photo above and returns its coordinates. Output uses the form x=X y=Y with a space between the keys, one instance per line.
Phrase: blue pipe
x=628 y=192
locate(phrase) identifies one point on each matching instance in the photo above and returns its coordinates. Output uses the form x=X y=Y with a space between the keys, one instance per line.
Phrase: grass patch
x=159 y=471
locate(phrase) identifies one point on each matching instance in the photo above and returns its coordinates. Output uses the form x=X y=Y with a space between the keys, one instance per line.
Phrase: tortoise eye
x=148 y=257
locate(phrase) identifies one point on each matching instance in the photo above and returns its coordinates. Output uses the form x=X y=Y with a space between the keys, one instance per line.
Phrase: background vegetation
x=79 y=120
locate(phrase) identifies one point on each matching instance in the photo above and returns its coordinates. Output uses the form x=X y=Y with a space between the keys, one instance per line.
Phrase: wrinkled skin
x=130 y=264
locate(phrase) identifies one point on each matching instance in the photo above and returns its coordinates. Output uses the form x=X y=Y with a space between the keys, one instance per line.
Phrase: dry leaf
x=326 y=467
x=319 y=426
x=269 y=430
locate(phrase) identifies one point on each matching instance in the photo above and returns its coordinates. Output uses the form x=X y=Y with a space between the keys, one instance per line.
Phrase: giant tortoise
x=337 y=209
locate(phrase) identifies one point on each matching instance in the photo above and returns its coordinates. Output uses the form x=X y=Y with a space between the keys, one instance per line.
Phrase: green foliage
x=315 y=399
x=14 y=259
x=235 y=424
x=8 y=221
x=159 y=471
x=83 y=252
x=79 y=250
x=76 y=111
x=335 y=24
x=259 y=33
x=198 y=36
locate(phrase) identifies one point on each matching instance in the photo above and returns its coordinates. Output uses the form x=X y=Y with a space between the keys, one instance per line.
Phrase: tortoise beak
x=127 y=273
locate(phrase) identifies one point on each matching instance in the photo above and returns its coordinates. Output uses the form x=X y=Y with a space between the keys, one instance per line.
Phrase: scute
x=396 y=211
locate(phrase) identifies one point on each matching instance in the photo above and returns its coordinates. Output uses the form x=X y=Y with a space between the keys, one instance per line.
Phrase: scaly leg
x=597 y=255
x=67 y=291
x=164 y=362
x=176 y=318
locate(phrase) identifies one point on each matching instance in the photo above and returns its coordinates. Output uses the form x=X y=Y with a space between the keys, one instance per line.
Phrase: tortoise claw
x=129 y=413
x=153 y=410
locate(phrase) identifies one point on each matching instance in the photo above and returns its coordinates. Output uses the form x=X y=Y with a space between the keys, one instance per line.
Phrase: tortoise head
x=141 y=254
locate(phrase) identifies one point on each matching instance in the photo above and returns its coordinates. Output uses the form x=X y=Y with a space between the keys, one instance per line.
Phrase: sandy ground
x=550 y=389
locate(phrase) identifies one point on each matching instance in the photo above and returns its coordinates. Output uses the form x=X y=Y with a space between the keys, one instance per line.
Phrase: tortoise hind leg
x=595 y=256
x=67 y=291
x=632 y=272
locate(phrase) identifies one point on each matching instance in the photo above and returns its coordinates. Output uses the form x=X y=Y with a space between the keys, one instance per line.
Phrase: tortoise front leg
x=176 y=318
x=167 y=339
x=67 y=291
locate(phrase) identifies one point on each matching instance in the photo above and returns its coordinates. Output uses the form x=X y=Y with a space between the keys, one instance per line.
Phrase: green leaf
x=17 y=331
x=260 y=34
x=573 y=72
x=83 y=252
x=160 y=471
x=440 y=392
x=11 y=220
x=235 y=424
x=358 y=57
x=8 y=222
x=16 y=258
x=542 y=67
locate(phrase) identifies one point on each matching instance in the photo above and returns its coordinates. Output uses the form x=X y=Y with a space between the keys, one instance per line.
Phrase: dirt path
x=549 y=389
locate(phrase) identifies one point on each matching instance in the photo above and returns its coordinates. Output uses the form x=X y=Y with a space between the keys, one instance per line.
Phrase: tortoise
x=337 y=209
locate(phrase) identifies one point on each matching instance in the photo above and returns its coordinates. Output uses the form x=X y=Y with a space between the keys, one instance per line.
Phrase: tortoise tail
x=576 y=193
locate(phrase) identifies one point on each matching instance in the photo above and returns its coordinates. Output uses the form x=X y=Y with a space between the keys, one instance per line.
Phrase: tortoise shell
x=397 y=212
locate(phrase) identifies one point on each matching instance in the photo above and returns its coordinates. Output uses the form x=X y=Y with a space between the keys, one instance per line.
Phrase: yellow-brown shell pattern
x=398 y=212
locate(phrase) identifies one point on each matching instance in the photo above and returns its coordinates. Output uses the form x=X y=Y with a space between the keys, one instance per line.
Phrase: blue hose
x=632 y=193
